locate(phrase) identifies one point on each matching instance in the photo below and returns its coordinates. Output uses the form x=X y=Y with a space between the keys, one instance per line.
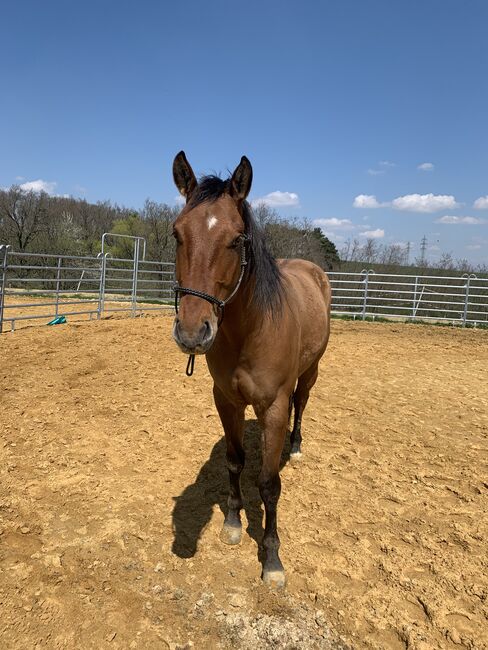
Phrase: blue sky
x=336 y=103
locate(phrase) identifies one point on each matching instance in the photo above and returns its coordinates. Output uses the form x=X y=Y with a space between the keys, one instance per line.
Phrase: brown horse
x=262 y=324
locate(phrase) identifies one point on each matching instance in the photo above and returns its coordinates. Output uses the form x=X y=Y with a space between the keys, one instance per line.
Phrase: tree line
x=37 y=222
x=395 y=258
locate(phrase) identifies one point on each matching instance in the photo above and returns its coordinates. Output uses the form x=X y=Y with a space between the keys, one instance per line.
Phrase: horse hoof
x=274 y=579
x=231 y=534
x=295 y=457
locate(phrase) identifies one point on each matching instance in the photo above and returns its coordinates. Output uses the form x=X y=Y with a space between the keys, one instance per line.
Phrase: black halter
x=212 y=299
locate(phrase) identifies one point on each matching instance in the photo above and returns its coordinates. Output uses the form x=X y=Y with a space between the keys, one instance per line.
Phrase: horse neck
x=241 y=316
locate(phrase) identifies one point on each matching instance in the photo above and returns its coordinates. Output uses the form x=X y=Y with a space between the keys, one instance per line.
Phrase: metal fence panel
x=458 y=299
x=37 y=286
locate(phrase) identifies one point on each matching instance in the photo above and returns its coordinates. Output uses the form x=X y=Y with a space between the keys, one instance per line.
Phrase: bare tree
x=446 y=262
x=158 y=219
x=23 y=214
x=370 y=251
x=264 y=215
x=351 y=251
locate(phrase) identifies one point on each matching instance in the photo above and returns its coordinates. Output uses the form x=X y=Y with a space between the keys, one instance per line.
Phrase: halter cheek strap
x=212 y=299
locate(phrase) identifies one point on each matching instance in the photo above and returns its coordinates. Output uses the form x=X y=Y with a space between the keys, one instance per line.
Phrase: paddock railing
x=37 y=286
x=461 y=299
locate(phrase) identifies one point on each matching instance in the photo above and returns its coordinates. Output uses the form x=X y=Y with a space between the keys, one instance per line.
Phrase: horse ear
x=183 y=175
x=241 y=180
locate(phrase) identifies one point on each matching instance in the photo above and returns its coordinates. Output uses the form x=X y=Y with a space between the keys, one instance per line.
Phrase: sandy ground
x=112 y=485
x=32 y=311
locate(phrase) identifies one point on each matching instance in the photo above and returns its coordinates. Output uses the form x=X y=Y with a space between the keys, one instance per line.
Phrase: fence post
x=466 y=296
x=134 y=276
x=3 y=280
x=365 y=299
x=101 y=291
x=58 y=278
x=414 y=308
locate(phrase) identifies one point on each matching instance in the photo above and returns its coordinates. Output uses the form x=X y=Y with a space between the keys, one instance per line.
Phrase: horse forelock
x=262 y=267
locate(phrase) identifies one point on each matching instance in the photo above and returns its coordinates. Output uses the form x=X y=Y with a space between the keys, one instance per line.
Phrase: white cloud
x=38 y=186
x=374 y=234
x=334 y=223
x=366 y=201
x=385 y=164
x=375 y=172
x=481 y=203
x=467 y=220
x=409 y=202
x=426 y=167
x=179 y=200
x=473 y=247
x=20 y=178
x=278 y=199
x=424 y=202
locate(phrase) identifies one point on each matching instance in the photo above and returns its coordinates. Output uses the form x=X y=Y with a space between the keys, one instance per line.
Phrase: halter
x=212 y=299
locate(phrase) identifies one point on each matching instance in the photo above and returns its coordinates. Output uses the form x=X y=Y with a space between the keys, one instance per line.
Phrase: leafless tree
x=23 y=215
x=158 y=219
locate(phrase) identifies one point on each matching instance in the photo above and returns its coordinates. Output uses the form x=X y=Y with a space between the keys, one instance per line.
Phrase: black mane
x=262 y=266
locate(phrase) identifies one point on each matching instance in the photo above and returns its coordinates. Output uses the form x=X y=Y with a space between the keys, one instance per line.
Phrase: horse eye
x=236 y=242
x=175 y=235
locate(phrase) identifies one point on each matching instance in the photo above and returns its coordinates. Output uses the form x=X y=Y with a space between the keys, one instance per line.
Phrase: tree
x=446 y=262
x=22 y=215
x=329 y=249
x=130 y=225
x=158 y=221
x=264 y=215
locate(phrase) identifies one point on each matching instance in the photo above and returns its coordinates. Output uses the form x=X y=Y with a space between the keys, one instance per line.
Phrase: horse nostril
x=206 y=330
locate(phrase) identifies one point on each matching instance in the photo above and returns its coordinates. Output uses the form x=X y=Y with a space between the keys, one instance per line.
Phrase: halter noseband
x=212 y=299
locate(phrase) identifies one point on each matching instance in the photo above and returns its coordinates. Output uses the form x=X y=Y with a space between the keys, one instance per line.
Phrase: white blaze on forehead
x=211 y=221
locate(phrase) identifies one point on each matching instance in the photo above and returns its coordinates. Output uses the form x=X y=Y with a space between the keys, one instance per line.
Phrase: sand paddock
x=112 y=484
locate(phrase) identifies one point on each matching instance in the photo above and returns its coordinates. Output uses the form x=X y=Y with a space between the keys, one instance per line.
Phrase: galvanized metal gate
x=39 y=286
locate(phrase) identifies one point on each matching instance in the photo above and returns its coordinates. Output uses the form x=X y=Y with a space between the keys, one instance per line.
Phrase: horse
x=263 y=325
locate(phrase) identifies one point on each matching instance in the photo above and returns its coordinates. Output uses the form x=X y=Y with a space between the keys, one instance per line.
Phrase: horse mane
x=261 y=265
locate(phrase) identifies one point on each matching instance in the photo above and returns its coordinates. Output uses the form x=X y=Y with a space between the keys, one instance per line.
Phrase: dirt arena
x=113 y=481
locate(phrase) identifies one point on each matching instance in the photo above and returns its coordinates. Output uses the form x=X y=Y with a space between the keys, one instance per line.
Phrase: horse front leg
x=232 y=418
x=274 y=421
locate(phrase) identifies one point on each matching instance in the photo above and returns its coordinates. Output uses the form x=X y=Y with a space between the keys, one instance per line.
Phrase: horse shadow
x=194 y=507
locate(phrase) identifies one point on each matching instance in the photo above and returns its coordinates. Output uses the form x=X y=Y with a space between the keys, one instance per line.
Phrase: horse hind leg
x=300 y=399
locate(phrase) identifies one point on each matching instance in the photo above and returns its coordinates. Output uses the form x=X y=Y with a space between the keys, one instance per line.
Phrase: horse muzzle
x=194 y=341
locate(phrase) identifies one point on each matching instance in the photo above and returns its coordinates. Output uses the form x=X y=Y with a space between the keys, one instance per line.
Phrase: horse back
x=307 y=281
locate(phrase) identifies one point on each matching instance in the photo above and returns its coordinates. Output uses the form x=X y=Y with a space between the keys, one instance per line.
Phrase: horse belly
x=314 y=338
x=311 y=297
